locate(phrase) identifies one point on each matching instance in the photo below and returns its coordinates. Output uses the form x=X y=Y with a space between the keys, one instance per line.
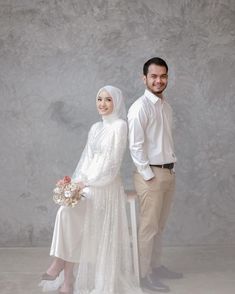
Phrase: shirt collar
x=153 y=98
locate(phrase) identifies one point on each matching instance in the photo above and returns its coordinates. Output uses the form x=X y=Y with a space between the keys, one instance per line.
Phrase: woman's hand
x=82 y=185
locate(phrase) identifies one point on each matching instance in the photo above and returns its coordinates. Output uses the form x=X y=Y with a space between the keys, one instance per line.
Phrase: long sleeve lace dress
x=99 y=239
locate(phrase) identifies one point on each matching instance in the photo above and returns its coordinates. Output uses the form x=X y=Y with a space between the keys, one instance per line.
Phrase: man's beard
x=156 y=93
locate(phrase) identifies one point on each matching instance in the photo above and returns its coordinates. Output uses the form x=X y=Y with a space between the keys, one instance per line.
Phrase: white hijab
x=119 y=109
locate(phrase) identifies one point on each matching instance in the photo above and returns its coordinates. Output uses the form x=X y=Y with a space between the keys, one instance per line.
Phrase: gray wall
x=55 y=55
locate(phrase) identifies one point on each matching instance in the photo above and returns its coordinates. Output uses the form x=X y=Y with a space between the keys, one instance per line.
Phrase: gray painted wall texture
x=55 y=55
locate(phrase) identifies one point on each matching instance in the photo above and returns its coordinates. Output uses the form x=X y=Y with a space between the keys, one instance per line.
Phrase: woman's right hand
x=81 y=185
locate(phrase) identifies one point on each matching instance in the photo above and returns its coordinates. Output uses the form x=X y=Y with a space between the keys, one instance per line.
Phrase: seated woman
x=94 y=234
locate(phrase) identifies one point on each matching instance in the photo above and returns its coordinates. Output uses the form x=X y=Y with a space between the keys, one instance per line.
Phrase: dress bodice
x=103 y=154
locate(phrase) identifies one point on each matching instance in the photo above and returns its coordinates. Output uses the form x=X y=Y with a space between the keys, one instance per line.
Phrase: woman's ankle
x=66 y=287
x=54 y=270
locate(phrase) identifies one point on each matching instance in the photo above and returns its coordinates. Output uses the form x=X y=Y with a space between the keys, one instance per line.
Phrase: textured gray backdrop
x=55 y=55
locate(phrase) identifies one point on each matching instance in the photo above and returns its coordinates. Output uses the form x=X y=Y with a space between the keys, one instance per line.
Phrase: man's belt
x=167 y=165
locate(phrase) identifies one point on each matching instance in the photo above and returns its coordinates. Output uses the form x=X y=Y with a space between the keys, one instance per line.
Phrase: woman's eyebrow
x=105 y=97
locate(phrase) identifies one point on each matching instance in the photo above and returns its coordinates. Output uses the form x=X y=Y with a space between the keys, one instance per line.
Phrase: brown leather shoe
x=153 y=284
x=163 y=272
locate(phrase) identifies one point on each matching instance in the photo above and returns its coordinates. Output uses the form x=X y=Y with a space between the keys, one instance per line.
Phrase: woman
x=100 y=241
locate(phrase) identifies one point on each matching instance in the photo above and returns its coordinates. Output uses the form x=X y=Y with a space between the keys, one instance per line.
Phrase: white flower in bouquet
x=67 y=193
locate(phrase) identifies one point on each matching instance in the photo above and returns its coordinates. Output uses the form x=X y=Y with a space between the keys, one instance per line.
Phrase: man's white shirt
x=150 y=133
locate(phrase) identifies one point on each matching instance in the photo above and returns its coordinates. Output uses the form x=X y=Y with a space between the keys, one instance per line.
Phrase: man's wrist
x=147 y=173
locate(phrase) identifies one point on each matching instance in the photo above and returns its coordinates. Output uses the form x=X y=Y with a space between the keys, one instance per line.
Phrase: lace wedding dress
x=105 y=263
x=104 y=256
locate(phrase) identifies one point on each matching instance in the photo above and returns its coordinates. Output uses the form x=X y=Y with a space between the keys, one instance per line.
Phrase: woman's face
x=104 y=103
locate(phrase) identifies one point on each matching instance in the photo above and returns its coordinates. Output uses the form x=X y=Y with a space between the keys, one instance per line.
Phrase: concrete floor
x=207 y=270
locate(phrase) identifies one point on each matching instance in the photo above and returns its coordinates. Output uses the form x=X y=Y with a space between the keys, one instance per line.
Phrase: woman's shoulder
x=120 y=122
x=120 y=125
x=95 y=126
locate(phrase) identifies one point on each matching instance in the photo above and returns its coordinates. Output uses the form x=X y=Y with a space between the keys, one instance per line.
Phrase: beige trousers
x=155 y=198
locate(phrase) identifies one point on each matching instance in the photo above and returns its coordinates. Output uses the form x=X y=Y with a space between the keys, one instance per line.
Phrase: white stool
x=131 y=198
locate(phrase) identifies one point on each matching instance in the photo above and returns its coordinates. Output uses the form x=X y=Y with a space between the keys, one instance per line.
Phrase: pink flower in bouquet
x=60 y=183
x=67 y=180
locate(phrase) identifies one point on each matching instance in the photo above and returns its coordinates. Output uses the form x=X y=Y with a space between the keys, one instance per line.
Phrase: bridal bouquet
x=67 y=193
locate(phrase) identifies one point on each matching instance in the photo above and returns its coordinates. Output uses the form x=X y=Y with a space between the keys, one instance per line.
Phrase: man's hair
x=155 y=60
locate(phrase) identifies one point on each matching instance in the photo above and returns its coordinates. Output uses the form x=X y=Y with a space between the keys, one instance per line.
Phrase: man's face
x=156 y=79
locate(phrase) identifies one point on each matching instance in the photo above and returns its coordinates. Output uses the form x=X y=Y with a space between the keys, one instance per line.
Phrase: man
x=152 y=150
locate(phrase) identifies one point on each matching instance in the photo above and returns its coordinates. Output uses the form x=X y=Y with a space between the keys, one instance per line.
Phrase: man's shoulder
x=167 y=105
x=138 y=104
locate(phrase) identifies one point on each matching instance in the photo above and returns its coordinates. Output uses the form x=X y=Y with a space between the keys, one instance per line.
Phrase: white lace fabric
x=105 y=265
x=105 y=262
x=102 y=157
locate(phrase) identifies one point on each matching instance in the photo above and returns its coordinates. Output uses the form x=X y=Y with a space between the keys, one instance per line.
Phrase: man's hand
x=150 y=180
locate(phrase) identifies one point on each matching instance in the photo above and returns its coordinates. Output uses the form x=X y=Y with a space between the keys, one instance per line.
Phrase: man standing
x=152 y=150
